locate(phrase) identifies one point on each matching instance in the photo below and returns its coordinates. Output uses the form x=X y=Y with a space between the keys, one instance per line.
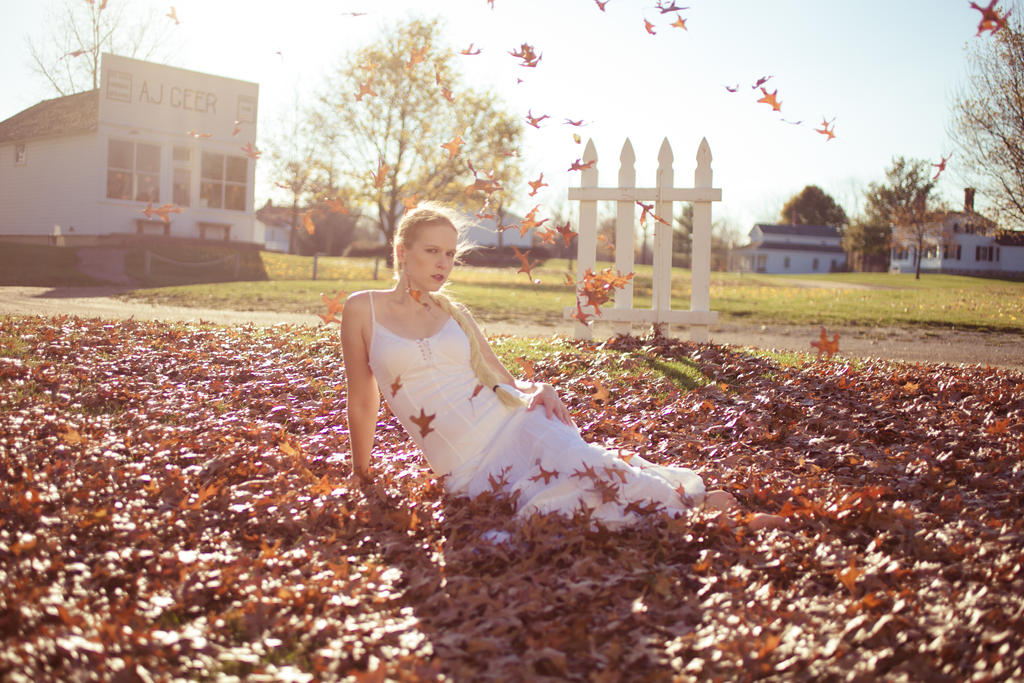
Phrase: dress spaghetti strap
x=373 y=314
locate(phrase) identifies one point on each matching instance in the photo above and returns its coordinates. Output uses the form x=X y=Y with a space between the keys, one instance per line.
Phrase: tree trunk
x=917 y=259
x=291 y=233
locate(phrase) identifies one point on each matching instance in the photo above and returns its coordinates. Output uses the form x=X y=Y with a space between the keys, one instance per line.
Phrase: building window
x=986 y=253
x=762 y=262
x=133 y=171
x=182 y=179
x=814 y=264
x=224 y=182
x=785 y=263
x=20 y=156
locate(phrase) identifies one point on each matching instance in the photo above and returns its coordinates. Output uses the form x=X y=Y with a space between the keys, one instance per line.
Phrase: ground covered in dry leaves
x=175 y=502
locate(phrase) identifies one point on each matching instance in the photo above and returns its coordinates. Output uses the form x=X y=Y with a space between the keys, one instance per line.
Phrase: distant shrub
x=364 y=248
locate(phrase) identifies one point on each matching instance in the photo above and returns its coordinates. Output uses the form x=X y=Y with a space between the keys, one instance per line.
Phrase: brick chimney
x=969 y=200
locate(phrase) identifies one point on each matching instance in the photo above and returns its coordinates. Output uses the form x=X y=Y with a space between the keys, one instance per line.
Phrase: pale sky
x=885 y=71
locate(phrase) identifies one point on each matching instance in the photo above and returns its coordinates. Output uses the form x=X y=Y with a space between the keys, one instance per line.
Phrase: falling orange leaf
x=453 y=146
x=163 y=212
x=578 y=314
x=365 y=89
x=251 y=151
x=530 y=221
x=578 y=165
x=396 y=385
x=771 y=99
x=334 y=306
x=448 y=94
x=649 y=27
x=648 y=210
x=566 y=232
x=527 y=54
x=679 y=23
x=173 y=14
x=412 y=202
x=307 y=222
x=486 y=185
x=380 y=177
x=991 y=20
x=534 y=120
x=941 y=166
x=524 y=259
x=826 y=130
x=336 y=206
x=469 y=50
x=665 y=9
x=548 y=236
x=536 y=184
x=825 y=345
x=416 y=55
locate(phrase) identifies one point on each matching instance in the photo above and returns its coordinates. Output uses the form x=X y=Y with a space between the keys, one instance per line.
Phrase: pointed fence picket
x=622 y=315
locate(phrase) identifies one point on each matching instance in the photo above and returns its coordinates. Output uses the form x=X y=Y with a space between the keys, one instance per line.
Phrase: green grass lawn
x=496 y=294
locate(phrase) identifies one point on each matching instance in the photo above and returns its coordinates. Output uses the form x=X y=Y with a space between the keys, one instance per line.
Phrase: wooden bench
x=205 y=226
x=145 y=226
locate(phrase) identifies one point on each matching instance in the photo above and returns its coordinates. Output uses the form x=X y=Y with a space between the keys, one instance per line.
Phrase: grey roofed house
x=78 y=113
x=793 y=249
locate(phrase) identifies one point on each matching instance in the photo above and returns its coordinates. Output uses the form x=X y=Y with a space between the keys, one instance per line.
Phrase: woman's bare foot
x=720 y=500
x=763 y=520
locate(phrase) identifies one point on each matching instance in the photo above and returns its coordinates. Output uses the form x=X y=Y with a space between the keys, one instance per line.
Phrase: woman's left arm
x=541 y=393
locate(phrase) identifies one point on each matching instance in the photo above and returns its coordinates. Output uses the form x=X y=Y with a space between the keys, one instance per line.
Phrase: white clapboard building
x=89 y=164
x=790 y=249
x=962 y=243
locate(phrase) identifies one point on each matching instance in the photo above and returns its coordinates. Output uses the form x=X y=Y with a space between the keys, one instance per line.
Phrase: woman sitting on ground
x=475 y=423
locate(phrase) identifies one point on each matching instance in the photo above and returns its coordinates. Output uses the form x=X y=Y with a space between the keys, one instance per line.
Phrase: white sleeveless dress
x=478 y=444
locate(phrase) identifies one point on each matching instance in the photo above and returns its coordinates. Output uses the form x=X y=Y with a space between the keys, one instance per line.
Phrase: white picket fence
x=588 y=194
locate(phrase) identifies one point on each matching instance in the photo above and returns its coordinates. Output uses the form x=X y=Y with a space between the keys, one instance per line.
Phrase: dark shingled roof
x=1010 y=238
x=78 y=113
x=792 y=246
x=801 y=230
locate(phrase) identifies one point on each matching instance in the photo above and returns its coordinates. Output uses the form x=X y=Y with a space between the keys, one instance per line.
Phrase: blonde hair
x=405 y=234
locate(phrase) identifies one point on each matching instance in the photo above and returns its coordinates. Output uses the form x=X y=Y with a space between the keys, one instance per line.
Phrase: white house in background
x=963 y=242
x=483 y=232
x=91 y=162
x=790 y=249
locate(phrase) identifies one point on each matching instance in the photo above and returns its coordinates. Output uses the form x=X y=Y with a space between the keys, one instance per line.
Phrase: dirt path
x=897 y=343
